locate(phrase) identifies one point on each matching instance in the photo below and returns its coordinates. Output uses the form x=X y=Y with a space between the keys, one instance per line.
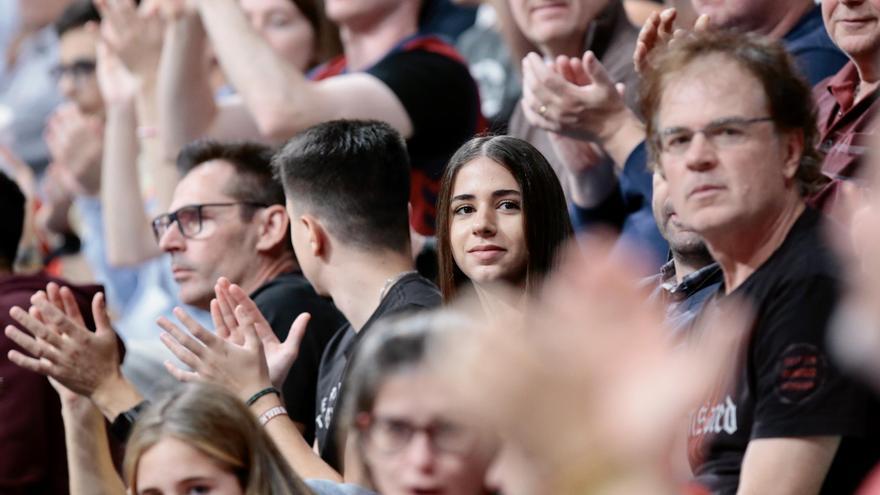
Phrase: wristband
x=265 y=391
x=271 y=413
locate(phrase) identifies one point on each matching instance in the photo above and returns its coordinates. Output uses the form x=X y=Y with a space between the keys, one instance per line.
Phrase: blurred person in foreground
x=32 y=456
x=732 y=130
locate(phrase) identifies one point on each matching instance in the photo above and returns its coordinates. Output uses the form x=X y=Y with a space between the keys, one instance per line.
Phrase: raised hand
x=244 y=367
x=279 y=355
x=659 y=31
x=133 y=34
x=117 y=84
x=61 y=347
x=76 y=143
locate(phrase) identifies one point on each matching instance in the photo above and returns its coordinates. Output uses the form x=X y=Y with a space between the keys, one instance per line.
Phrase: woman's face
x=413 y=444
x=285 y=28
x=172 y=466
x=486 y=230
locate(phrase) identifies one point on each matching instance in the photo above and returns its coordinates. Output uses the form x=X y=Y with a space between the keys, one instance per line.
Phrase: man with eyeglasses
x=731 y=128
x=227 y=219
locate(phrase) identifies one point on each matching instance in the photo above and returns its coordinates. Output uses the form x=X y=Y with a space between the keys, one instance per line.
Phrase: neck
x=569 y=47
x=686 y=264
x=741 y=251
x=789 y=19
x=366 y=44
x=269 y=268
x=359 y=278
x=499 y=299
x=869 y=77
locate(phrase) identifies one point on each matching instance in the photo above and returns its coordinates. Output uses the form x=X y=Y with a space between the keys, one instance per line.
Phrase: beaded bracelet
x=271 y=413
x=265 y=391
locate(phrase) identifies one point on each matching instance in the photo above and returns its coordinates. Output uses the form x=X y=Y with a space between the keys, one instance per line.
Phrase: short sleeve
x=439 y=96
x=799 y=390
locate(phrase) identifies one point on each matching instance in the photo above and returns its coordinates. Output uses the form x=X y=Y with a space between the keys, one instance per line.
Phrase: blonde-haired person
x=201 y=437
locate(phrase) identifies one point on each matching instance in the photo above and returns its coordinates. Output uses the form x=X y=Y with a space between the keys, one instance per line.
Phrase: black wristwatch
x=121 y=426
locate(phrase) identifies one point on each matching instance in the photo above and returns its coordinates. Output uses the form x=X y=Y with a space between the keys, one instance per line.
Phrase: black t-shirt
x=411 y=293
x=434 y=85
x=281 y=300
x=786 y=384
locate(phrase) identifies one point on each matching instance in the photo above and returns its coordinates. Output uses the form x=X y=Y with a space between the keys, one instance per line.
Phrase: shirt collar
x=842 y=86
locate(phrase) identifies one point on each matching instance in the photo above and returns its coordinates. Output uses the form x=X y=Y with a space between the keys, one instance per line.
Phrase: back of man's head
x=76 y=15
x=12 y=204
x=354 y=176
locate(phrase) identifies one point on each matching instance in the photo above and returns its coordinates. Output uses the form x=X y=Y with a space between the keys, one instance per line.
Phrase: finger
x=226 y=303
x=181 y=375
x=537 y=119
x=648 y=33
x=70 y=306
x=597 y=71
x=581 y=78
x=55 y=318
x=182 y=340
x=702 y=24
x=667 y=22
x=34 y=326
x=297 y=332
x=183 y=353
x=621 y=89
x=246 y=327
x=640 y=56
x=196 y=329
x=99 y=313
x=53 y=293
x=32 y=364
x=563 y=68
x=35 y=347
x=217 y=319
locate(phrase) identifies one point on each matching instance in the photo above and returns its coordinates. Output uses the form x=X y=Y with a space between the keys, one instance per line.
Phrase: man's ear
x=274 y=225
x=794 y=151
x=316 y=235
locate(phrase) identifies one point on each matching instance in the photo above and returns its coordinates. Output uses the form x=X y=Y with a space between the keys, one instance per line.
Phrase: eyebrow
x=495 y=194
x=713 y=123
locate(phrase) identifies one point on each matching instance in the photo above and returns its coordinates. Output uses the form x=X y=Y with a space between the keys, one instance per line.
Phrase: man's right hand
x=61 y=347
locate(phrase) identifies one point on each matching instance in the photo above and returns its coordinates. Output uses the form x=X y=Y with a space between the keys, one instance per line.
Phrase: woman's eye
x=463 y=210
x=278 y=21
x=198 y=490
x=509 y=205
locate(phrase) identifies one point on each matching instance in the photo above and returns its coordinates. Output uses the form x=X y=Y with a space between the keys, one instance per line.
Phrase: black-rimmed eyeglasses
x=722 y=133
x=189 y=218
x=391 y=435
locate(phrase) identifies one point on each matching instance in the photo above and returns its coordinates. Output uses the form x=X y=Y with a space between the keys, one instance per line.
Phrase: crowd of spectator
x=388 y=247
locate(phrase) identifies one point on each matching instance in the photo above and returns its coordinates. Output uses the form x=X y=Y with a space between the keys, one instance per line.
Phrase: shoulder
x=411 y=293
x=326 y=487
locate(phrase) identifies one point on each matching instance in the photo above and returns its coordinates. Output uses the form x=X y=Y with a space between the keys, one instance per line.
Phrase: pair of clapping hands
x=576 y=97
x=243 y=356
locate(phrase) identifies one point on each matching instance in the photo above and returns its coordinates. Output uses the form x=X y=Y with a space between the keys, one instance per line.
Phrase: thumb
x=702 y=24
x=99 y=313
x=296 y=334
x=596 y=70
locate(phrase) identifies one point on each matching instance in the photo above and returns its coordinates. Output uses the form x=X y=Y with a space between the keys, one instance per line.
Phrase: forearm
x=88 y=452
x=623 y=133
x=292 y=445
x=275 y=93
x=126 y=228
x=186 y=99
x=795 y=466
x=160 y=172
